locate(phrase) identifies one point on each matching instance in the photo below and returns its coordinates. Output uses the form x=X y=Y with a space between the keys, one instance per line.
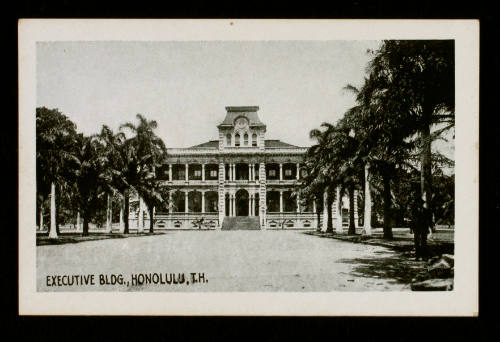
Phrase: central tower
x=242 y=128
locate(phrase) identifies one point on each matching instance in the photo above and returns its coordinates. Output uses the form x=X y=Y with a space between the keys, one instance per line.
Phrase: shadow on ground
x=44 y=240
x=395 y=268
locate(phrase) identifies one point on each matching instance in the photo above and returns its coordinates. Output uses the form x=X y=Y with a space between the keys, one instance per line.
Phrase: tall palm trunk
x=318 y=216
x=387 y=206
x=109 y=214
x=41 y=218
x=352 y=225
x=126 y=212
x=85 y=231
x=151 y=218
x=52 y=230
x=425 y=185
x=367 y=217
x=329 y=203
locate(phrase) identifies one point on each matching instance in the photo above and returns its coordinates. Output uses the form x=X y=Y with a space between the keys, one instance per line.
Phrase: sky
x=185 y=86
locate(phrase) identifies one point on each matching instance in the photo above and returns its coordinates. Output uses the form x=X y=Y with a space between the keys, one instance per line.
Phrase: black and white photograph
x=240 y=161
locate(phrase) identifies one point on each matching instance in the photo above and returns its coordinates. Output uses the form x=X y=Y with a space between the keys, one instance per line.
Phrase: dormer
x=242 y=128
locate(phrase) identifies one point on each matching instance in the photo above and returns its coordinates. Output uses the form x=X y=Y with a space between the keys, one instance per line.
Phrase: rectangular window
x=213 y=173
x=182 y=174
x=197 y=173
x=272 y=173
x=288 y=172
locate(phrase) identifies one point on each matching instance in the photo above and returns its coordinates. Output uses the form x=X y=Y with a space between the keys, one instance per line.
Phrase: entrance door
x=242 y=199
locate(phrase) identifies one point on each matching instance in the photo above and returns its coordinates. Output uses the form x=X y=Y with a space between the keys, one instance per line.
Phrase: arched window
x=228 y=140
x=237 y=139
x=245 y=140
x=254 y=139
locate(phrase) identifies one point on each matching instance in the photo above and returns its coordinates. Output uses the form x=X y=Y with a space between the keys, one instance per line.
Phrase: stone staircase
x=241 y=223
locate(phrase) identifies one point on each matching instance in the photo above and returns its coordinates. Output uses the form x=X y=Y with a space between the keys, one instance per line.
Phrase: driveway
x=216 y=261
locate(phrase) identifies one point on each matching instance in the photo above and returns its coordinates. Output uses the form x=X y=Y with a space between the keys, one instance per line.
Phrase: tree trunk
x=52 y=230
x=109 y=214
x=126 y=212
x=426 y=184
x=352 y=225
x=78 y=221
x=318 y=216
x=57 y=210
x=387 y=206
x=329 y=202
x=85 y=231
x=367 y=217
x=41 y=218
x=151 y=219
x=122 y=215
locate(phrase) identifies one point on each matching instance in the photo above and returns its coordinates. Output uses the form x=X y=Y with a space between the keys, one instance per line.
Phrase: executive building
x=242 y=180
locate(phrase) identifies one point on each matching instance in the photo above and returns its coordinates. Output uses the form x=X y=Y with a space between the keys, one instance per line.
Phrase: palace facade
x=241 y=180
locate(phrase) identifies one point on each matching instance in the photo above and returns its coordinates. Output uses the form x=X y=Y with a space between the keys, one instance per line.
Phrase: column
x=250 y=205
x=202 y=172
x=122 y=213
x=187 y=172
x=249 y=172
x=338 y=214
x=298 y=203
x=170 y=172
x=367 y=218
x=203 y=202
x=281 y=172
x=234 y=172
x=186 y=204
x=281 y=201
x=232 y=205
x=298 y=171
x=314 y=207
x=170 y=203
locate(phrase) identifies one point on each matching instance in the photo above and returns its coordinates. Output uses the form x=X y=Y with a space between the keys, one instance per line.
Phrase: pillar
x=314 y=207
x=234 y=172
x=367 y=218
x=187 y=172
x=338 y=210
x=41 y=217
x=52 y=231
x=249 y=205
x=170 y=203
x=298 y=202
x=203 y=202
x=170 y=172
x=202 y=172
x=186 y=202
x=281 y=172
x=281 y=201
x=298 y=171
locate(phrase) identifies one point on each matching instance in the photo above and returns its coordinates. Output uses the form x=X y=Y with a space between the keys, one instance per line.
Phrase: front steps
x=241 y=223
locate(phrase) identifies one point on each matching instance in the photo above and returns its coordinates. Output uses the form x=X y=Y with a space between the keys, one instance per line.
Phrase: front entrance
x=242 y=199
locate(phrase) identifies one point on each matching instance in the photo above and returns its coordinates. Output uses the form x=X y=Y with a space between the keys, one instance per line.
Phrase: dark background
x=274 y=328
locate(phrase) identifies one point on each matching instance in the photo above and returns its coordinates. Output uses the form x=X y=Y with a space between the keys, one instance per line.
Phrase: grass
x=64 y=238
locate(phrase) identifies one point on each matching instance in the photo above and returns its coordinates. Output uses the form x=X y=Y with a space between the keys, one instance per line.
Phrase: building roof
x=250 y=112
x=214 y=144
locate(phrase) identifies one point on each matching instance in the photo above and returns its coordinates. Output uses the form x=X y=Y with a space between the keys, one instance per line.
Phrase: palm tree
x=147 y=152
x=55 y=135
x=417 y=78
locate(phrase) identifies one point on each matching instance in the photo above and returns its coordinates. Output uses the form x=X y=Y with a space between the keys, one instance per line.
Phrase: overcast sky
x=186 y=85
